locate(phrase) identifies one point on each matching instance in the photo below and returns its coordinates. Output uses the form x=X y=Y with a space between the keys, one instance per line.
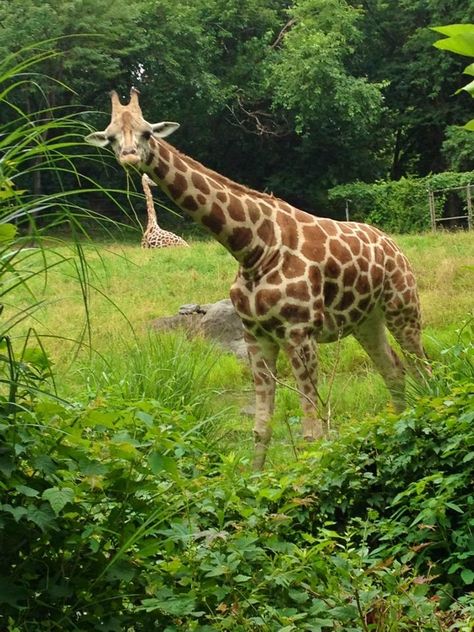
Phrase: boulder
x=217 y=321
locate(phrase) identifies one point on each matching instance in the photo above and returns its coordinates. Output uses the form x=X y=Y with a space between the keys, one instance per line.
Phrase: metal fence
x=432 y=204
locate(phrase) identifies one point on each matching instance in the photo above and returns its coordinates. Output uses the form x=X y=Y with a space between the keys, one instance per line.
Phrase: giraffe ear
x=164 y=129
x=99 y=139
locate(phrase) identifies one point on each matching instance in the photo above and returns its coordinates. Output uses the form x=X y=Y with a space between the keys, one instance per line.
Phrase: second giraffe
x=154 y=236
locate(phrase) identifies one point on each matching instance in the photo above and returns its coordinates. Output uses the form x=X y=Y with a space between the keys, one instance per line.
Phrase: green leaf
x=469 y=88
x=7 y=232
x=467 y=576
x=58 y=497
x=27 y=491
x=159 y=462
x=16 y=512
x=469 y=70
x=242 y=578
x=469 y=125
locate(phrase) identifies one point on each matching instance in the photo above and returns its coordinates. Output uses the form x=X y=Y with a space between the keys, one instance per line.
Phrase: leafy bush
x=119 y=516
x=399 y=206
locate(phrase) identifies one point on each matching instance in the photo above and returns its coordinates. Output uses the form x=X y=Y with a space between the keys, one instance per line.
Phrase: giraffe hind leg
x=406 y=329
x=373 y=338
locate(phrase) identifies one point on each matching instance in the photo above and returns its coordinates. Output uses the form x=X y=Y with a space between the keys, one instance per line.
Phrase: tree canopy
x=290 y=96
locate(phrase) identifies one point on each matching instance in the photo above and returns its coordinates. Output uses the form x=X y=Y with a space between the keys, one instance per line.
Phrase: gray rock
x=217 y=321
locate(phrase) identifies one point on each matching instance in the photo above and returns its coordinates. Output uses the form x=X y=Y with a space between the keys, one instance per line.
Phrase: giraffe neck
x=150 y=207
x=237 y=217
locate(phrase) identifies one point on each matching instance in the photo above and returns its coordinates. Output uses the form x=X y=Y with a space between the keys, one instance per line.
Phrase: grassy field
x=128 y=287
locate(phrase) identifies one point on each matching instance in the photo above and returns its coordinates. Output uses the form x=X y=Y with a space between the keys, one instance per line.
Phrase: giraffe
x=302 y=279
x=154 y=236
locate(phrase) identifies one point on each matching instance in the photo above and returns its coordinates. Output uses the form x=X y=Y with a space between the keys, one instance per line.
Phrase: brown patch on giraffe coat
x=161 y=169
x=355 y=315
x=363 y=264
x=266 y=209
x=339 y=251
x=236 y=209
x=364 y=303
x=345 y=229
x=362 y=285
x=289 y=230
x=200 y=182
x=190 y=203
x=240 y=301
x=274 y=278
x=376 y=276
x=221 y=196
x=265 y=300
x=332 y=268
x=266 y=232
x=349 y=276
x=329 y=226
x=314 y=278
x=178 y=187
x=346 y=301
x=254 y=255
x=216 y=220
x=240 y=238
x=353 y=242
x=292 y=266
x=390 y=265
x=201 y=199
x=330 y=290
x=295 y=313
x=314 y=243
x=298 y=290
x=179 y=165
x=254 y=211
x=164 y=152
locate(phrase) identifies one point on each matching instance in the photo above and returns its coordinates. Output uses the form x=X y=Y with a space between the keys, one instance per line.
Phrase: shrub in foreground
x=118 y=516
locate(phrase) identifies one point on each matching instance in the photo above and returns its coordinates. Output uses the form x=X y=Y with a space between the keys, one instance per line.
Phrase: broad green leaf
x=469 y=70
x=16 y=512
x=159 y=462
x=58 y=497
x=467 y=576
x=469 y=125
x=469 y=88
x=7 y=232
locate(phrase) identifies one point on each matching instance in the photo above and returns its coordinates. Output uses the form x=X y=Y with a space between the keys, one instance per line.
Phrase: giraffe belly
x=273 y=313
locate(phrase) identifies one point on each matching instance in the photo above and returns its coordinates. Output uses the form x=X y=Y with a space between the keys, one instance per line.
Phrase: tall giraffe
x=154 y=236
x=301 y=279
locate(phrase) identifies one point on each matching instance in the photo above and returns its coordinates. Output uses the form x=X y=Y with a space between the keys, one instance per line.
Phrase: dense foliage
x=121 y=515
x=294 y=97
x=401 y=206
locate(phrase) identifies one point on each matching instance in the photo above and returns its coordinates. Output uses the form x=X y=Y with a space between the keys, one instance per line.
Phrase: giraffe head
x=131 y=137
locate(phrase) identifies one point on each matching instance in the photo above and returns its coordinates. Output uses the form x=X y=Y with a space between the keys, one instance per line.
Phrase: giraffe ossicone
x=302 y=279
x=154 y=236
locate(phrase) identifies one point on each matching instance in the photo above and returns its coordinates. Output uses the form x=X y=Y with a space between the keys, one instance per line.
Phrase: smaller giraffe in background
x=154 y=236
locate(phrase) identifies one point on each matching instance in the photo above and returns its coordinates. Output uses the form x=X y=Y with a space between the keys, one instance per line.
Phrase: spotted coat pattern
x=302 y=279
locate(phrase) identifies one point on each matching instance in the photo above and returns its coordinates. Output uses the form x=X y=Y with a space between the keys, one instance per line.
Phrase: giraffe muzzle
x=129 y=157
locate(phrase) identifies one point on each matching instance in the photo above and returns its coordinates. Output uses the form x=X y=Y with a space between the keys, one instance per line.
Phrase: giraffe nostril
x=127 y=151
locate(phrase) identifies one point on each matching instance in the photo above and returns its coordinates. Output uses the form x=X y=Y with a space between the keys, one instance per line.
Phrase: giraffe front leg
x=304 y=363
x=263 y=354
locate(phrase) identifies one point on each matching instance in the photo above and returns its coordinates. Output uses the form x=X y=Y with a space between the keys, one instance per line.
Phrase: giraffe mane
x=231 y=184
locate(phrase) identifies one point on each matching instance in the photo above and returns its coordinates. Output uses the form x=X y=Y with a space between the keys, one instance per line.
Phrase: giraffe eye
x=146 y=135
x=111 y=139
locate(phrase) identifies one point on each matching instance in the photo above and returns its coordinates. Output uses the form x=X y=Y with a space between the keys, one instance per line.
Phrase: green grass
x=129 y=287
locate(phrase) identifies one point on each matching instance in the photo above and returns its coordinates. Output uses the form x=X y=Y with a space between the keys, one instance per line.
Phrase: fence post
x=469 y=206
x=431 y=202
x=347 y=210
